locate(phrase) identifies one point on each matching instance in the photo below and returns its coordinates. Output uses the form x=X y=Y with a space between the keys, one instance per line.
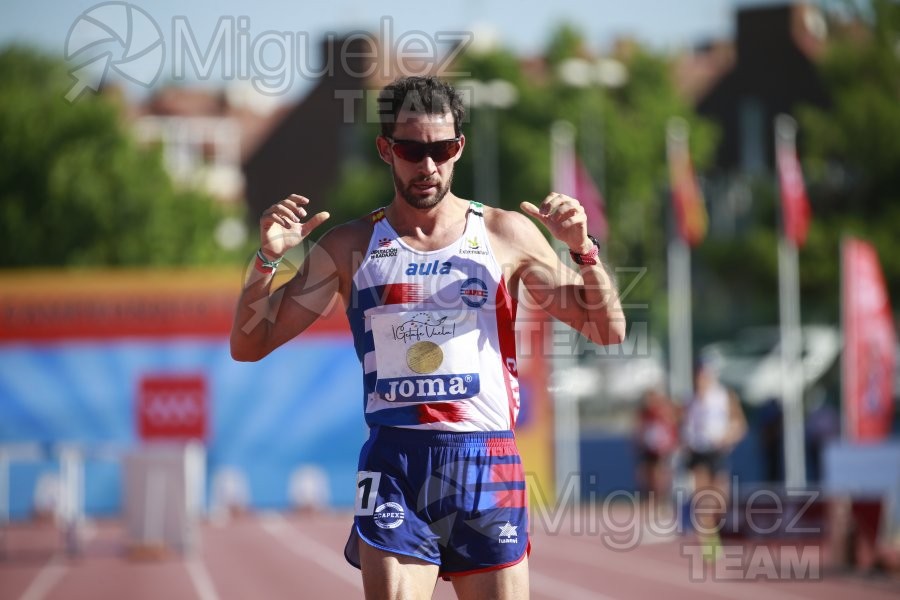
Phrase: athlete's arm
x=265 y=319
x=586 y=300
x=737 y=422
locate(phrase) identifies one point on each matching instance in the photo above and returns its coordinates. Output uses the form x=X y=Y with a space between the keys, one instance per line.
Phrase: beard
x=407 y=192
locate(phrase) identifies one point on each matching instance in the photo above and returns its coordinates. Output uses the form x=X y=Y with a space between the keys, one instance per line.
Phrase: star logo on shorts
x=509 y=530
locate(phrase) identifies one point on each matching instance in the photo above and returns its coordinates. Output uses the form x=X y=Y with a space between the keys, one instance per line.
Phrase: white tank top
x=706 y=422
x=434 y=334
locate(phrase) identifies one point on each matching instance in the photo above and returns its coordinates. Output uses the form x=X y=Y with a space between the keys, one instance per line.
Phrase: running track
x=275 y=556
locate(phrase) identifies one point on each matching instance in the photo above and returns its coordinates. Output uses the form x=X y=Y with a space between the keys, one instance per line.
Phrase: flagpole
x=567 y=428
x=680 y=325
x=681 y=385
x=792 y=380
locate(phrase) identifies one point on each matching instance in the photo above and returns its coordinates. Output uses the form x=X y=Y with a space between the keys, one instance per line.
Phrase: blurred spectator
x=771 y=434
x=657 y=441
x=713 y=425
x=230 y=493
x=309 y=489
x=46 y=497
x=823 y=424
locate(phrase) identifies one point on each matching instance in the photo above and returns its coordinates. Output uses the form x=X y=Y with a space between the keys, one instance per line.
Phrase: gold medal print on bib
x=424 y=357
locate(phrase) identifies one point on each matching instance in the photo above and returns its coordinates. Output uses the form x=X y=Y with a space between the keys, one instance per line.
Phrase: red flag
x=687 y=201
x=572 y=178
x=591 y=199
x=869 y=345
x=794 y=203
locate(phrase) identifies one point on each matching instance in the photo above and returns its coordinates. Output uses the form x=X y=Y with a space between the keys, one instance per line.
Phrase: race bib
x=426 y=356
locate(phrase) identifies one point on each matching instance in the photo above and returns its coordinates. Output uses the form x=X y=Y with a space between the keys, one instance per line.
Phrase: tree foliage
x=852 y=150
x=76 y=189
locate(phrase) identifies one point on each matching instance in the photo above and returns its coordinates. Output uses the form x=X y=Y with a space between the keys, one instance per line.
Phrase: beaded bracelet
x=264 y=265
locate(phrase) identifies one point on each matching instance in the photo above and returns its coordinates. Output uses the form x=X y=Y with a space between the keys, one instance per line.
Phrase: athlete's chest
x=447 y=279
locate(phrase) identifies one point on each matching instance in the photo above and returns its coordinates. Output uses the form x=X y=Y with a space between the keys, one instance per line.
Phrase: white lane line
x=203 y=584
x=48 y=577
x=55 y=568
x=309 y=549
x=555 y=588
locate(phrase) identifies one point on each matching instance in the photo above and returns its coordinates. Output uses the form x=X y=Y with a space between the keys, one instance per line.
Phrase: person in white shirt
x=714 y=423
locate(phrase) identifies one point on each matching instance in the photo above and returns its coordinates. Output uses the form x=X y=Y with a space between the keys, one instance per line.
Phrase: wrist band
x=591 y=257
x=264 y=265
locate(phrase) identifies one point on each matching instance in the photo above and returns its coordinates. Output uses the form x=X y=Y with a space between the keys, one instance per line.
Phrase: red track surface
x=270 y=557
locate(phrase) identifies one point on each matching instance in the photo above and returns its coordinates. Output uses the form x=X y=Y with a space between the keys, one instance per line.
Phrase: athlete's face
x=422 y=183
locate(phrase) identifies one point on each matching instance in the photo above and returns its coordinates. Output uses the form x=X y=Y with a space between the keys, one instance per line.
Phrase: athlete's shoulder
x=344 y=244
x=511 y=227
x=352 y=235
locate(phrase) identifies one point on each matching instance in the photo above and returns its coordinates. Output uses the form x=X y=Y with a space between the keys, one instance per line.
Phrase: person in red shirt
x=657 y=441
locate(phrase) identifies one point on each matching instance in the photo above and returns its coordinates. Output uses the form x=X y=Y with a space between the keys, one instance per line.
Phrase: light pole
x=485 y=97
x=602 y=74
x=580 y=73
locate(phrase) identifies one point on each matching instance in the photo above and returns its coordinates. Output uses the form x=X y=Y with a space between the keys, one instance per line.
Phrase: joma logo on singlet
x=432 y=268
x=428 y=389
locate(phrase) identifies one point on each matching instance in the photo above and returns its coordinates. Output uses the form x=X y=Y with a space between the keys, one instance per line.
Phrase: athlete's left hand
x=565 y=218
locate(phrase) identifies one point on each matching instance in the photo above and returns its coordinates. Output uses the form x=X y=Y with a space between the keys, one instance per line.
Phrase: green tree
x=76 y=189
x=852 y=150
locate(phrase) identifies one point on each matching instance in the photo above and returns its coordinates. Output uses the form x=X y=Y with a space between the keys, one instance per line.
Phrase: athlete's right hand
x=281 y=226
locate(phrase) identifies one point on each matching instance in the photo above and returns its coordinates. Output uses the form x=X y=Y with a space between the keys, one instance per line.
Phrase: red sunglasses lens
x=416 y=151
x=411 y=151
x=441 y=151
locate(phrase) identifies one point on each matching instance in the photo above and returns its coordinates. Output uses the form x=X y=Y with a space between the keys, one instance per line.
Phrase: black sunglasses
x=413 y=151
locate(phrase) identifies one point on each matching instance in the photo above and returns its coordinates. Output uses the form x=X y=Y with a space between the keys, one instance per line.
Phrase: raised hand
x=281 y=227
x=564 y=217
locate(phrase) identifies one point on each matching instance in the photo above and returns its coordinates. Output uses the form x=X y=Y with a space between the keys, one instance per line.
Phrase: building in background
x=305 y=153
x=205 y=134
x=773 y=72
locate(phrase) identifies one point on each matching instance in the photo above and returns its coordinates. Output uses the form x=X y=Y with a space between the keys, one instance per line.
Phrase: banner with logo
x=113 y=360
x=870 y=344
x=534 y=427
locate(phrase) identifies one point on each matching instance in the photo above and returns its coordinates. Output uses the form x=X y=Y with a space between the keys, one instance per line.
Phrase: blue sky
x=523 y=26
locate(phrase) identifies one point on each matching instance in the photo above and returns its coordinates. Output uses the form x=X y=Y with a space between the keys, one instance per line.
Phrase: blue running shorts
x=456 y=500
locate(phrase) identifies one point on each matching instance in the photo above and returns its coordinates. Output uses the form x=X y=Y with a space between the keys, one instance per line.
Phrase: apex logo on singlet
x=429 y=268
x=473 y=292
x=389 y=515
x=430 y=388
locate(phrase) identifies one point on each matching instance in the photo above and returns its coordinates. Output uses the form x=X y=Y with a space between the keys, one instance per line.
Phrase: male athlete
x=430 y=284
